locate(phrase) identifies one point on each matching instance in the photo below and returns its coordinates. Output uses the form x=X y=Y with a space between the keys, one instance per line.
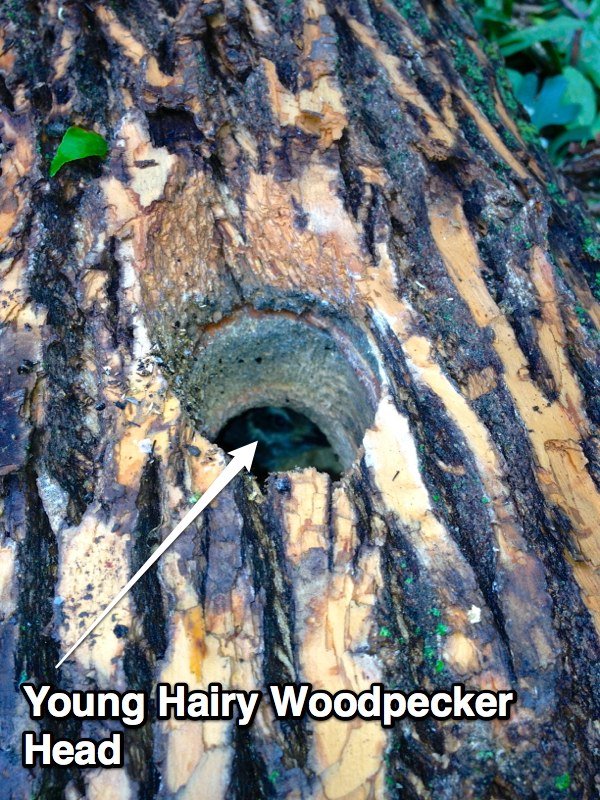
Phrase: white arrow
x=242 y=457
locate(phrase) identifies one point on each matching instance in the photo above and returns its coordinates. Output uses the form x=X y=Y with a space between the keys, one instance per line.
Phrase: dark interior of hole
x=286 y=440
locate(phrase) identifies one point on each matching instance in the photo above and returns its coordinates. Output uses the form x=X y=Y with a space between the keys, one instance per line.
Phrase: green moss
x=274 y=775
x=591 y=245
x=556 y=194
x=384 y=632
x=466 y=62
x=441 y=629
x=581 y=313
x=474 y=78
x=501 y=169
x=528 y=131
x=510 y=141
x=520 y=236
x=506 y=91
x=439 y=666
x=563 y=782
x=413 y=13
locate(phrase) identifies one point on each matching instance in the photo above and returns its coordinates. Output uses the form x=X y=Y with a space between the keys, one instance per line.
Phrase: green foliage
x=78 y=143
x=592 y=247
x=558 y=30
x=553 y=54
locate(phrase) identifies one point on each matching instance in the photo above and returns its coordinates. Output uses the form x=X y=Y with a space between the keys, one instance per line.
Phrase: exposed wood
x=346 y=179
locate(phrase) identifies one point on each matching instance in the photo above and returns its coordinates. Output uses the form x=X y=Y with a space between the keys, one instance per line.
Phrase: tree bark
x=326 y=203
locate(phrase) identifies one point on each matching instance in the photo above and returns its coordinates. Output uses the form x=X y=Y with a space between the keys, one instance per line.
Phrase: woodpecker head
x=286 y=440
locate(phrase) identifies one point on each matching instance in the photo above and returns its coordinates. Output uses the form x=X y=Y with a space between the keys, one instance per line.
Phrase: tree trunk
x=326 y=205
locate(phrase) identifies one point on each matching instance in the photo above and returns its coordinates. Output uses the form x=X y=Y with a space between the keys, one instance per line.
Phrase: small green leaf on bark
x=78 y=143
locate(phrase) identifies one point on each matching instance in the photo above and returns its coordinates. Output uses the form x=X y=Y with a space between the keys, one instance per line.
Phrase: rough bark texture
x=348 y=173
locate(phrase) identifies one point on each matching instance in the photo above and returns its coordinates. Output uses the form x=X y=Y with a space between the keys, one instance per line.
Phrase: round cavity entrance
x=286 y=440
x=295 y=384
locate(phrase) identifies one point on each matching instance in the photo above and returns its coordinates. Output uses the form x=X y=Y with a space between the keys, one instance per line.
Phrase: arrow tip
x=246 y=454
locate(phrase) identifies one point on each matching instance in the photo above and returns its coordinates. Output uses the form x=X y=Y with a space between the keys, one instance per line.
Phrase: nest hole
x=287 y=440
x=304 y=388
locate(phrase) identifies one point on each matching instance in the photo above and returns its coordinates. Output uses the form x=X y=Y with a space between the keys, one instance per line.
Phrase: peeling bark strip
x=342 y=185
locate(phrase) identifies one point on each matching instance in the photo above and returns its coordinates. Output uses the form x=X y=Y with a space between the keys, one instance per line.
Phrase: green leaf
x=525 y=88
x=78 y=143
x=589 y=50
x=581 y=92
x=594 y=10
x=549 y=106
x=560 y=29
x=494 y=18
x=516 y=79
x=491 y=15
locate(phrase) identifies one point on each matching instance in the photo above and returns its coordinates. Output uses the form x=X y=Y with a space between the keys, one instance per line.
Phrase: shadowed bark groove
x=357 y=171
